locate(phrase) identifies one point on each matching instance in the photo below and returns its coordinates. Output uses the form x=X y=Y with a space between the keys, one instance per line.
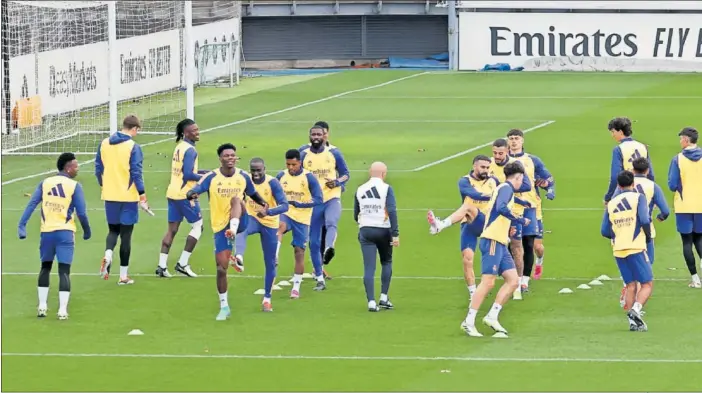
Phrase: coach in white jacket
x=375 y=211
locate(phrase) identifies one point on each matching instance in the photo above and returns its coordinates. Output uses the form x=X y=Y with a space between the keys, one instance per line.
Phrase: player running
x=184 y=176
x=329 y=167
x=476 y=189
x=226 y=187
x=303 y=193
x=59 y=196
x=685 y=180
x=627 y=224
x=624 y=154
x=500 y=159
x=534 y=167
x=118 y=168
x=496 y=259
x=265 y=222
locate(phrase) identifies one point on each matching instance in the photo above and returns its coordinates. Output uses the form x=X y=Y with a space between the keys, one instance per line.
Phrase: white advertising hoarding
x=584 y=5
x=537 y=40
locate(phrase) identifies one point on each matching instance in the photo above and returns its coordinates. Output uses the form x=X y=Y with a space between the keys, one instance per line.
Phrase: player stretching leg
x=265 y=222
x=685 y=180
x=500 y=158
x=303 y=193
x=184 y=176
x=118 y=168
x=533 y=167
x=58 y=196
x=654 y=198
x=496 y=259
x=227 y=187
x=627 y=224
x=329 y=167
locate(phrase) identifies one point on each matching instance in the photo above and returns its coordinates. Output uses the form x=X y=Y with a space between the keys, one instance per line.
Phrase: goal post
x=71 y=70
x=220 y=64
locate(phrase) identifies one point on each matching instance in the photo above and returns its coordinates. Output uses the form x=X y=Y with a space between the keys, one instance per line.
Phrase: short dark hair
x=322 y=124
x=640 y=165
x=226 y=146
x=292 y=154
x=317 y=127
x=513 y=168
x=180 y=128
x=480 y=157
x=500 y=143
x=130 y=122
x=691 y=133
x=257 y=160
x=64 y=159
x=625 y=179
x=622 y=124
x=515 y=132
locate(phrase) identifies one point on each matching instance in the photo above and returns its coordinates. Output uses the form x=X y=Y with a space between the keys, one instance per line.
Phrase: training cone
x=596 y=282
x=284 y=283
x=604 y=277
x=584 y=286
x=260 y=292
x=276 y=288
x=135 y=332
x=307 y=275
x=565 y=291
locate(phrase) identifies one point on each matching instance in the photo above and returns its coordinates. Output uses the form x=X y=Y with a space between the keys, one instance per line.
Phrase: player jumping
x=119 y=171
x=59 y=196
x=627 y=224
x=265 y=222
x=303 y=193
x=226 y=187
x=184 y=176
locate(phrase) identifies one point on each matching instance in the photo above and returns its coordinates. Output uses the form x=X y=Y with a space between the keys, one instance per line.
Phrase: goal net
x=71 y=70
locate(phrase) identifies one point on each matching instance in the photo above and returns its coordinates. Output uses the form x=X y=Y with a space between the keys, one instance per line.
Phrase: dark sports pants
x=376 y=241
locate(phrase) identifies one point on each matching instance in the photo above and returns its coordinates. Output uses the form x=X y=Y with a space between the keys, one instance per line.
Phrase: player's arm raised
x=341 y=168
x=280 y=199
x=614 y=170
x=659 y=200
x=202 y=186
x=34 y=201
x=250 y=191
x=81 y=211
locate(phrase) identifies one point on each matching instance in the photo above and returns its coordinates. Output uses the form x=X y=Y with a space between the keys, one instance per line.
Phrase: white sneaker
x=62 y=315
x=494 y=324
x=433 y=223
x=695 y=284
x=185 y=270
x=41 y=312
x=470 y=330
x=125 y=281
x=517 y=295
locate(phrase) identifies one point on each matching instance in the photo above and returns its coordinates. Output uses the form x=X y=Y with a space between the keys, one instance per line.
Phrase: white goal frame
x=230 y=75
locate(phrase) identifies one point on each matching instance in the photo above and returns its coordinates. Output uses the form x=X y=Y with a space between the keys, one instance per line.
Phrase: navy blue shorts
x=496 y=258
x=184 y=209
x=533 y=228
x=58 y=245
x=518 y=234
x=222 y=243
x=124 y=213
x=688 y=222
x=635 y=267
x=300 y=231
x=470 y=232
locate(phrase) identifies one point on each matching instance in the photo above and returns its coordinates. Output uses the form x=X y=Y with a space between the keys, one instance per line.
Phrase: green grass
x=328 y=341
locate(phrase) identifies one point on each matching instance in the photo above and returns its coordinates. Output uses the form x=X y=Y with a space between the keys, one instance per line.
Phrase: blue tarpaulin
x=439 y=61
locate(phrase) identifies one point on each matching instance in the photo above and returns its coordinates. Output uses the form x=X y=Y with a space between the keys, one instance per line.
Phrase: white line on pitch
x=250 y=276
x=332 y=122
x=362 y=358
x=524 y=98
x=419 y=209
x=472 y=149
x=247 y=120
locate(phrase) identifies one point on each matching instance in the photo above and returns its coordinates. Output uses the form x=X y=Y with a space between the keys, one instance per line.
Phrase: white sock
x=277 y=250
x=163 y=260
x=320 y=278
x=494 y=311
x=43 y=293
x=223 y=300
x=695 y=278
x=519 y=287
x=123 y=271
x=539 y=261
x=372 y=304
x=525 y=280
x=470 y=318
x=297 y=280
x=637 y=307
x=443 y=224
x=108 y=255
x=184 y=258
x=383 y=297
x=471 y=289
x=234 y=225
x=266 y=299
x=63 y=300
